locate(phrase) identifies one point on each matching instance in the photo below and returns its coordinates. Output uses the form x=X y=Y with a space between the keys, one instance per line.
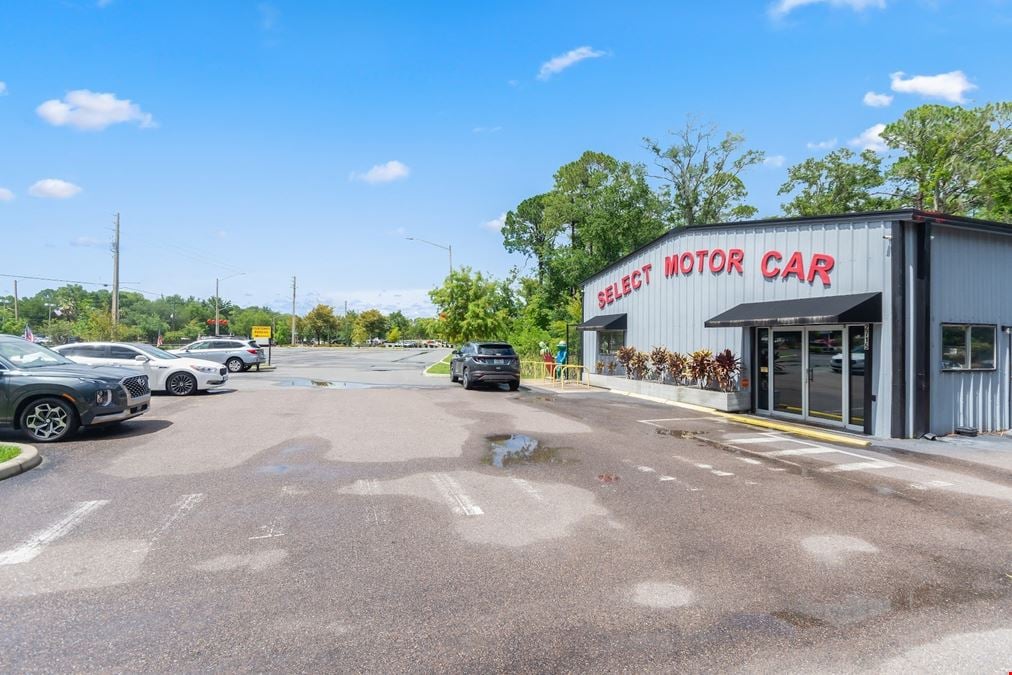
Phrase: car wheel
x=181 y=384
x=514 y=385
x=48 y=419
x=466 y=380
x=234 y=365
x=453 y=378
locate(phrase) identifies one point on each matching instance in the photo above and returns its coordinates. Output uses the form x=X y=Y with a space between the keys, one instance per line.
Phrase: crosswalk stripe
x=858 y=466
x=454 y=495
x=798 y=451
x=34 y=546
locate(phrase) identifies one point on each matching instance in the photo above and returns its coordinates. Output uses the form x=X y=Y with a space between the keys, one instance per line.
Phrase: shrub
x=676 y=367
x=659 y=361
x=700 y=366
x=638 y=364
x=725 y=369
x=624 y=355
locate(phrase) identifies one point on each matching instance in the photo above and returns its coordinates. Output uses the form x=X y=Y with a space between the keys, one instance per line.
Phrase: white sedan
x=176 y=375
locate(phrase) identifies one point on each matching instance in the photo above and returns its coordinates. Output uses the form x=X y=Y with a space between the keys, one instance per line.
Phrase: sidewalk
x=991 y=452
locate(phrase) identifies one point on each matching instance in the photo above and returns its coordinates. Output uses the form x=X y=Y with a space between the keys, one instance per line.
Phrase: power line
x=62 y=281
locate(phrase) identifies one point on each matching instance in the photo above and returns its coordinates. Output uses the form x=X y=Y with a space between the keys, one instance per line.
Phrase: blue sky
x=309 y=138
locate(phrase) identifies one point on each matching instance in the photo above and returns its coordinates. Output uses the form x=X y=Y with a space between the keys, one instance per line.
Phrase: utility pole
x=293 y=311
x=216 y=283
x=15 y=299
x=115 y=279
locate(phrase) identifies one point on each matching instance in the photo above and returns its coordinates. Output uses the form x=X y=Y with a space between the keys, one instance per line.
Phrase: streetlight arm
x=448 y=248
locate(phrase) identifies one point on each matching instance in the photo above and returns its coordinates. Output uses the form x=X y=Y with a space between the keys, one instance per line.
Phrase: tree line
x=72 y=312
x=599 y=209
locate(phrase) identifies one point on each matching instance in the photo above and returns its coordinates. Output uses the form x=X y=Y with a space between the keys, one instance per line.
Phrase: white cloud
x=776 y=161
x=875 y=100
x=383 y=173
x=103 y=3
x=413 y=302
x=3 y=88
x=269 y=16
x=557 y=64
x=87 y=241
x=92 y=111
x=496 y=224
x=871 y=139
x=53 y=188
x=946 y=86
x=486 y=130
x=6 y=195
x=827 y=144
x=782 y=8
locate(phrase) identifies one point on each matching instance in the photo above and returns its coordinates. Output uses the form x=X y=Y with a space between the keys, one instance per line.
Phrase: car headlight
x=104 y=397
x=204 y=369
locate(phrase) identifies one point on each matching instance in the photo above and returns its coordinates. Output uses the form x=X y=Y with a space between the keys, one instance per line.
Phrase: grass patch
x=440 y=367
x=8 y=452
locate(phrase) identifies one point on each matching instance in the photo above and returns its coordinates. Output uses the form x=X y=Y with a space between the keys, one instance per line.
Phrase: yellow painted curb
x=787 y=427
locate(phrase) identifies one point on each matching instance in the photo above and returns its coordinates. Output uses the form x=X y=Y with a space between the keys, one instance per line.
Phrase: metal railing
x=553 y=374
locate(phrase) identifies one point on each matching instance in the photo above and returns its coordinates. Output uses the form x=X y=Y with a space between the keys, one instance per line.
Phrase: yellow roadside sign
x=261 y=332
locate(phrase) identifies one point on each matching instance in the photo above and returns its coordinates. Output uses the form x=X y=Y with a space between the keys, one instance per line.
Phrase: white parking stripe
x=748 y=460
x=528 y=488
x=715 y=472
x=798 y=451
x=858 y=466
x=183 y=505
x=665 y=478
x=764 y=439
x=34 y=546
x=454 y=495
x=645 y=469
x=705 y=466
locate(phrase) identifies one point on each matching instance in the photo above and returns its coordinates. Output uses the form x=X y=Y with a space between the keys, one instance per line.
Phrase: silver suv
x=478 y=362
x=236 y=353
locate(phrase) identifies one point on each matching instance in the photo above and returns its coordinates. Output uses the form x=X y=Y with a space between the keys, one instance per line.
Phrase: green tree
x=526 y=231
x=997 y=193
x=703 y=176
x=471 y=307
x=949 y=154
x=835 y=184
x=394 y=334
x=396 y=319
x=320 y=322
x=373 y=323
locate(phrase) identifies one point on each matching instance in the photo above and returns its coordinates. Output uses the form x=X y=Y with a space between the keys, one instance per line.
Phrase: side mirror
x=141 y=358
x=456 y=352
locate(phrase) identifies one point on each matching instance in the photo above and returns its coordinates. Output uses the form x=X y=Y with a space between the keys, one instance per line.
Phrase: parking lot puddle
x=510 y=449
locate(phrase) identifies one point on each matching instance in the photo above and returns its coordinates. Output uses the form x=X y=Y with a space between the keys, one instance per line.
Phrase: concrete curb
x=28 y=459
x=786 y=427
x=979 y=469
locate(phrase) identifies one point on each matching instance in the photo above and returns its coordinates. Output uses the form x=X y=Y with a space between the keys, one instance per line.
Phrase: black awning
x=860 y=308
x=604 y=322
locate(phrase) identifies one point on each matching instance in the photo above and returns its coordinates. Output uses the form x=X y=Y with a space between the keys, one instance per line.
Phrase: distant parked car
x=47 y=396
x=478 y=362
x=237 y=354
x=176 y=375
x=856 y=361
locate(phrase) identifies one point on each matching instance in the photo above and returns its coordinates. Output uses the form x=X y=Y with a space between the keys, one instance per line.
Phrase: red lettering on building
x=602 y=300
x=821 y=266
x=796 y=266
x=701 y=257
x=717 y=255
x=670 y=265
x=636 y=283
x=735 y=257
x=646 y=271
x=686 y=262
x=768 y=272
x=626 y=286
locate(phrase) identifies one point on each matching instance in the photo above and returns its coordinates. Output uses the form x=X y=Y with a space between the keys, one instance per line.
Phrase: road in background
x=292 y=522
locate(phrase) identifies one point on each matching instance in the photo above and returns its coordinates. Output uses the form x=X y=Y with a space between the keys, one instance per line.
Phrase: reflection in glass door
x=788 y=372
x=762 y=369
x=825 y=374
x=856 y=343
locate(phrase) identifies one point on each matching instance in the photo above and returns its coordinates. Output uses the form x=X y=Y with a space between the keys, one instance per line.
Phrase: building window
x=608 y=343
x=968 y=346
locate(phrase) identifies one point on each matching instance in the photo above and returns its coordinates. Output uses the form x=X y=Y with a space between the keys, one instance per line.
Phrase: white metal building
x=920 y=302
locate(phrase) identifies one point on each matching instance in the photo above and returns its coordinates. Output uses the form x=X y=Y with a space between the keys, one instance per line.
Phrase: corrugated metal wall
x=670 y=312
x=971 y=282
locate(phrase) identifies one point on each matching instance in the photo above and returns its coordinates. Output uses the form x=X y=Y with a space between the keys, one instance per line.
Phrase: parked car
x=478 y=362
x=48 y=397
x=237 y=354
x=176 y=375
x=856 y=361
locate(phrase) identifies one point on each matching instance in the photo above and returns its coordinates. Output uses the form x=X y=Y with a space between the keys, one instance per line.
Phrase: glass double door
x=804 y=374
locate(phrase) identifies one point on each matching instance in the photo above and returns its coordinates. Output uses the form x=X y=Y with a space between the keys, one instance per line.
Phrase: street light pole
x=217 y=301
x=448 y=248
x=49 y=328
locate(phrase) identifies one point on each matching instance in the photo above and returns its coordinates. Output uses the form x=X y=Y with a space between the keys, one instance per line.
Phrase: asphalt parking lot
x=345 y=512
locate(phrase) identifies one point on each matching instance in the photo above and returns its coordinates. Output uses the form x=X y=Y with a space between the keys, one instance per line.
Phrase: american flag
x=28 y=334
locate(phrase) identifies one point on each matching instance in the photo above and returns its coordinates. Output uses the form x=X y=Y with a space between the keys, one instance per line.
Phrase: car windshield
x=24 y=354
x=496 y=350
x=154 y=352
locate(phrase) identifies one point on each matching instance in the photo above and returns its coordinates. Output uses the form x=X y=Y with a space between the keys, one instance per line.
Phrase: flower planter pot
x=735 y=401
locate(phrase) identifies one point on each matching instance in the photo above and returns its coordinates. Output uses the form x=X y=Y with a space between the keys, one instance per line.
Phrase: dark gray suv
x=478 y=362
